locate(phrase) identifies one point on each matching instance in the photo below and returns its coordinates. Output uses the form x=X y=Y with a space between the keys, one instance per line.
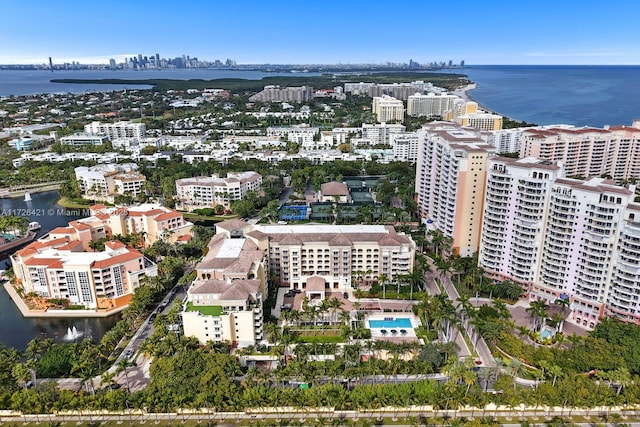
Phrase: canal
x=15 y=330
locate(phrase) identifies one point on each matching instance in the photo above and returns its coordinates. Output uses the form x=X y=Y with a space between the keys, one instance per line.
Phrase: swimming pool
x=546 y=333
x=391 y=322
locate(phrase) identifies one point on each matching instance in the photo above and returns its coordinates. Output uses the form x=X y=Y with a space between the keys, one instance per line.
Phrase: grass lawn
x=207 y=310
x=190 y=216
x=66 y=203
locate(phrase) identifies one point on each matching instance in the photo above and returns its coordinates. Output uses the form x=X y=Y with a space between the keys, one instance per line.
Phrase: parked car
x=345 y=295
x=128 y=353
x=296 y=291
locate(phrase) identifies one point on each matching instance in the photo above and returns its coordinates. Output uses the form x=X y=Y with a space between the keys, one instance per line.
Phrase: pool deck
x=387 y=335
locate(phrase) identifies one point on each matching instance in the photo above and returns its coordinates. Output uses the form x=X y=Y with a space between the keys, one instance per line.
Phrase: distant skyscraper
x=112 y=64
x=50 y=64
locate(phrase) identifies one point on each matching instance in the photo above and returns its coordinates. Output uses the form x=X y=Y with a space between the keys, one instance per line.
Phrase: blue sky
x=329 y=31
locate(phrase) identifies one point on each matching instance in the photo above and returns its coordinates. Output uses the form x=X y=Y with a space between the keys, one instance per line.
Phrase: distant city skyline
x=291 y=32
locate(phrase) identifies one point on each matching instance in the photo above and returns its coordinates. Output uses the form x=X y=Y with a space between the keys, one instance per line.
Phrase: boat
x=16 y=243
x=34 y=226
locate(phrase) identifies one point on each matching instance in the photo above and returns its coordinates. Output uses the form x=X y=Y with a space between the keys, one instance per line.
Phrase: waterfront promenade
x=26 y=312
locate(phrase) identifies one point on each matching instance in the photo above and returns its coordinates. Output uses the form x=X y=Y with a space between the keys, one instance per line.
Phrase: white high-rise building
x=516 y=200
x=430 y=105
x=450 y=182
x=405 y=146
x=563 y=238
x=117 y=130
x=381 y=133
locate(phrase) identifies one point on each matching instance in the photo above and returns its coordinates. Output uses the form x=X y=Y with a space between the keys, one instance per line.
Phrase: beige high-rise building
x=450 y=182
x=587 y=152
x=387 y=109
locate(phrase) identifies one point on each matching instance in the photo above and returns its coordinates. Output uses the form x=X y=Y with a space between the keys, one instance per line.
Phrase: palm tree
x=538 y=311
x=123 y=365
x=108 y=378
x=21 y=374
x=515 y=367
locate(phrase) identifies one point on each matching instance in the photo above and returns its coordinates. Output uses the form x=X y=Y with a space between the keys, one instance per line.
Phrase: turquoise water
x=546 y=333
x=397 y=322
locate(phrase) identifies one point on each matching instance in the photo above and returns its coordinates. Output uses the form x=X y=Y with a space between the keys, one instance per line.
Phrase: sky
x=585 y=32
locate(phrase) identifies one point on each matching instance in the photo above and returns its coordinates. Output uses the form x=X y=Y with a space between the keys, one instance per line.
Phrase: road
x=426 y=414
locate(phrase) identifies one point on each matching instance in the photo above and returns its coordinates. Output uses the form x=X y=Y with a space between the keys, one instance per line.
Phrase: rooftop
x=206 y=310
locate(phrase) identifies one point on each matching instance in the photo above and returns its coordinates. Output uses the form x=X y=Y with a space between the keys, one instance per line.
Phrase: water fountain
x=72 y=334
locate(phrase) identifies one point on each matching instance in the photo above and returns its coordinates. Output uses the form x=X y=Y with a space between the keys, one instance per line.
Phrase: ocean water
x=576 y=95
x=29 y=82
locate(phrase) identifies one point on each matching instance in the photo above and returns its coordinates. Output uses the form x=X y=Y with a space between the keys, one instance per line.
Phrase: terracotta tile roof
x=114 y=244
x=167 y=215
x=62 y=230
x=316 y=284
x=34 y=261
x=118 y=259
x=232 y=224
x=79 y=225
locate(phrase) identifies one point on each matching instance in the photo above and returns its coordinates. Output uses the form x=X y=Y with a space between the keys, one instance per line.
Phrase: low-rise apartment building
x=224 y=303
x=204 y=191
x=104 y=182
x=61 y=268
x=152 y=222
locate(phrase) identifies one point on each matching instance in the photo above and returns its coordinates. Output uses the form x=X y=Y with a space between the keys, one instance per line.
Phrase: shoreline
x=466 y=96
x=77 y=314
x=14 y=194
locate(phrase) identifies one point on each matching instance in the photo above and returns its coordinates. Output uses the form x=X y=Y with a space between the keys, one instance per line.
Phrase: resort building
x=224 y=303
x=468 y=114
x=515 y=214
x=61 y=268
x=563 y=238
x=302 y=135
x=152 y=222
x=381 y=133
x=103 y=182
x=274 y=93
x=430 y=104
x=337 y=256
x=587 y=152
x=387 y=109
x=450 y=182
x=117 y=130
x=405 y=146
x=203 y=191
